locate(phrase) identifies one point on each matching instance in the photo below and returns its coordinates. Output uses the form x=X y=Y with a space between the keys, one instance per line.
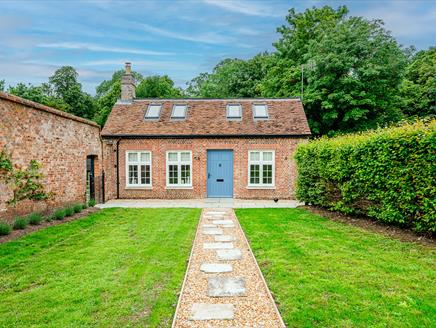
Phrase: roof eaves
x=203 y=136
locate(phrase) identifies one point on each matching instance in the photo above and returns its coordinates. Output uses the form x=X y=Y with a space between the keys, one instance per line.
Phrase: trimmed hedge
x=387 y=174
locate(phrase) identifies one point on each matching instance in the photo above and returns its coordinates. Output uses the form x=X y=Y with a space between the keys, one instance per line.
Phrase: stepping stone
x=229 y=254
x=225 y=238
x=216 y=267
x=226 y=286
x=213 y=231
x=209 y=226
x=228 y=226
x=219 y=222
x=216 y=213
x=217 y=245
x=204 y=311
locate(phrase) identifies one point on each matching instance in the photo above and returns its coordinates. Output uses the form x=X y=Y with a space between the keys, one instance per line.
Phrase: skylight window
x=260 y=111
x=153 y=112
x=179 y=111
x=234 y=111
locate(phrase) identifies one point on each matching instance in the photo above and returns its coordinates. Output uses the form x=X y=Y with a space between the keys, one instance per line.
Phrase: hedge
x=387 y=174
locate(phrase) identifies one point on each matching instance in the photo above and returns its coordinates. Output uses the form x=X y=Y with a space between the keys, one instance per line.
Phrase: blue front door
x=220 y=173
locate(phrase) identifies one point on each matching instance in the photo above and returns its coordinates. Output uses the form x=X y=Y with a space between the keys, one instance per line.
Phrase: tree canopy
x=418 y=89
x=349 y=71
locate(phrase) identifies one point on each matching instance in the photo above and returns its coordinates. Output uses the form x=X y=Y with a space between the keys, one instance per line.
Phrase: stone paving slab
x=223 y=203
x=219 y=222
x=225 y=238
x=229 y=254
x=213 y=231
x=226 y=286
x=204 y=311
x=217 y=245
x=216 y=267
x=210 y=226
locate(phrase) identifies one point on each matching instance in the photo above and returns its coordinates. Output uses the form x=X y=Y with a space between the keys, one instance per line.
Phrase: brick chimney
x=127 y=84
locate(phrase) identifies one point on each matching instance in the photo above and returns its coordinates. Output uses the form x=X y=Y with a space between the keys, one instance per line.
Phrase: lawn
x=114 y=268
x=328 y=274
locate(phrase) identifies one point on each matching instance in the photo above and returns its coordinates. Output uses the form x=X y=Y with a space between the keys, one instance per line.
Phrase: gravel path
x=223 y=285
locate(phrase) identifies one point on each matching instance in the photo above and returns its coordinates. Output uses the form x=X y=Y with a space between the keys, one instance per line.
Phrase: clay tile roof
x=207 y=117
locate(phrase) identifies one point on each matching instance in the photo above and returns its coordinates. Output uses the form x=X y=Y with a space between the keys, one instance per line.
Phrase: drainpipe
x=118 y=168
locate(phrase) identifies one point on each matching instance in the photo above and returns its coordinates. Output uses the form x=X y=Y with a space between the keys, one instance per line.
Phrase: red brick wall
x=285 y=170
x=59 y=141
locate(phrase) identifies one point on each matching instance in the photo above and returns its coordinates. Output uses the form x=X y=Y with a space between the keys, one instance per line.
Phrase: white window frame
x=260 y=117
x=261 y=162
x=138 y=164
x=179 y=117
x=154 y=117
x=234 y=118
x=179 y=164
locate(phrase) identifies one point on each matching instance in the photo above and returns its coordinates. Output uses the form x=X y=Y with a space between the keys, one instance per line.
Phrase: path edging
x=187 y=270
x=260 y=272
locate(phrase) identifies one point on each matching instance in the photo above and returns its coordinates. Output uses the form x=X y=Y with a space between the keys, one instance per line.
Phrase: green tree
x=66 y=87
x=353 y=68
x=418 y=89
x=231 y=78
x=2 y=85
x=158 y=87
x=38 y=94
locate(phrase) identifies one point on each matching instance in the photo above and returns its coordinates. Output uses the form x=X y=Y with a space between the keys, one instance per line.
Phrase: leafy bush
x=69 y=211
x=20 y=223
x=84 y=206
x=58 y=215
x=91 y=203
x=386 y=174
x=77 y=208
x=35 y=219
x=5 y=229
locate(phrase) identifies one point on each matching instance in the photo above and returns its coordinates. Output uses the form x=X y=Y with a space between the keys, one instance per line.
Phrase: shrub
x=91 y=203
x=5 y=229
x=386 y=174
x=58 y=215
x=35 y=219
x=20 y=223
x=77 y=208
x=69 y=211
x=84 y=206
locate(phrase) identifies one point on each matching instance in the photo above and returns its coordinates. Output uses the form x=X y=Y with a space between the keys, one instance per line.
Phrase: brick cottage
x=155 y=148
x=197 y=148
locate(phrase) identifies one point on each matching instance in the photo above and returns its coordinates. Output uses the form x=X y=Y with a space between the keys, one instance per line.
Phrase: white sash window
x=138 y=169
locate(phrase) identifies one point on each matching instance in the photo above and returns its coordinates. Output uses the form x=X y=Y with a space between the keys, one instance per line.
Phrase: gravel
x=255 y=309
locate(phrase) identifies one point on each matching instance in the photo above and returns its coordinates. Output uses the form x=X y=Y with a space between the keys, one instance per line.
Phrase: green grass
x=114 y=268
x=328 y=274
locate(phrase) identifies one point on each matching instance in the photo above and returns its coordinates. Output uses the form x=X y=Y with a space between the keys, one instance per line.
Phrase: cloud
x=209 y=37
x=404 y=19
x=145 y=64
x=99 y=48
x=243 y=7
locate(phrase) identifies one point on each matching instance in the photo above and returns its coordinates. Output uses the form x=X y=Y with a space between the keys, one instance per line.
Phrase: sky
x=177 y=38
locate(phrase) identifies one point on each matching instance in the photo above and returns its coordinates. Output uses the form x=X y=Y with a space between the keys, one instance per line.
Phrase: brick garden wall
x=57 y=140
x=285 y=166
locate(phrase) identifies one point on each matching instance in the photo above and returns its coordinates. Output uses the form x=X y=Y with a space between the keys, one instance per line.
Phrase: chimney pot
x=128 y=68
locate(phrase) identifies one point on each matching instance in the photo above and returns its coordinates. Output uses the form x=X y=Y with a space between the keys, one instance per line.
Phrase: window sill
x=138 y=187
x=262 y=187
x=179 y=187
